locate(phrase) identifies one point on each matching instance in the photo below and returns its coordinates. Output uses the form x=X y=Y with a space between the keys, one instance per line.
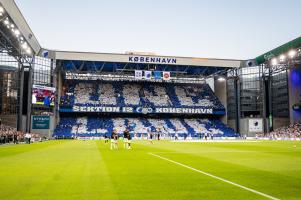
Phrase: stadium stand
x=11 y=135
x=143 y=94
x=98 y=127
x=293 y=131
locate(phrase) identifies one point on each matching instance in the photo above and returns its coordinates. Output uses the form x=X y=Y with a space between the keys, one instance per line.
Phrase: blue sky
x=237 y=29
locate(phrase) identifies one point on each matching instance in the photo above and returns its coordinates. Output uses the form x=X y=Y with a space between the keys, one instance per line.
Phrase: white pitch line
x=216 y=177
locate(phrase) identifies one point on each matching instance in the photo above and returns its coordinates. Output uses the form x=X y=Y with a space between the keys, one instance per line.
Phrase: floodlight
x=292 y=53
x=1 y=9
x=282 y=57
x=221 y=79
x=6 y=21
x=28 y=51
x=24 y=45
x=17 y=32
x=274 y=61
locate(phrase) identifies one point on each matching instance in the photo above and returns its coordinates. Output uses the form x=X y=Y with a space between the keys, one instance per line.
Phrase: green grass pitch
x=90 y=170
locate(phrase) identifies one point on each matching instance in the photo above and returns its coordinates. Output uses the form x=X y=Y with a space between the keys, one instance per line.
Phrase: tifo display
x=142 y=127
x=139 y=97
x=141 y=108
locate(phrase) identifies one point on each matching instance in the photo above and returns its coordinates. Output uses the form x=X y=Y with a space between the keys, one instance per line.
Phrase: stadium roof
x=146 y=59
x=296 y=43
x=18 y=19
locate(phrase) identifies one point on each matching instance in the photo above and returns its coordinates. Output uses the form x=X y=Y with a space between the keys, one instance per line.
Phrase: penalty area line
x=216 y=177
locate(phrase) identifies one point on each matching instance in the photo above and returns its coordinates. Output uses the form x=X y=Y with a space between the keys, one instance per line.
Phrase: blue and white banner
x=45 y=54
x=138 y=74
x=157 y=75
x=144 y=110
x=255 y=125
x=147 y=75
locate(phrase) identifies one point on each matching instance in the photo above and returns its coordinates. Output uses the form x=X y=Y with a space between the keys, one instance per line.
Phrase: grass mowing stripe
x=216 y=177
x=13 y=149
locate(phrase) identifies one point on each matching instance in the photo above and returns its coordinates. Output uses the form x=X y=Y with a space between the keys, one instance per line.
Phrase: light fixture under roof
x=17 y=32
x=28 y=51
x=6 y=21
x=10 y=25
x=292 y=53
x=282 y=57
x=221 y=79
x=274 y=61
x=24 y=45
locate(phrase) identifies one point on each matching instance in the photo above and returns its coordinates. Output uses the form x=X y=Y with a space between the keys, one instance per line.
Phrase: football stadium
x=138 y=125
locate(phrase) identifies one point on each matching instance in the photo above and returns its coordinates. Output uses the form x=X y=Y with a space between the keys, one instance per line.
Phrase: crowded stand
x=145 y=95
x=293 y=131
x=105 y=92
x=137 y=126
x=11 y=135
x=156 y=95
x=131 y=94
x=142 y=94
x=167 y=127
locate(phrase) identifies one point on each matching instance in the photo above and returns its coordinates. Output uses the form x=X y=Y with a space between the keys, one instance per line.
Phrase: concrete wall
x=244 y=127
x=231 y=123
x=220 y=90
x=294 y=83
x=23 y=125
x=280 y=122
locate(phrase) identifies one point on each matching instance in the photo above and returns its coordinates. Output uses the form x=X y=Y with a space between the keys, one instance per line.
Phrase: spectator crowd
x=169 y=127
x=293 y=131
x=11 y=135
x=143 y=94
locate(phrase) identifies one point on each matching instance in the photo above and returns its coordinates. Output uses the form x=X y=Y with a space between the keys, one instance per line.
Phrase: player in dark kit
x=159 y=133
x=15 y=138
x=106 y=139
x=151 y=137
x=125 y=138
x=129 y=137
x=206 y=136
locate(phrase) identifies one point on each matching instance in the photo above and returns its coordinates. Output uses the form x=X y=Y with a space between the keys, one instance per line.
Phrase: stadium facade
x=84 y=93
